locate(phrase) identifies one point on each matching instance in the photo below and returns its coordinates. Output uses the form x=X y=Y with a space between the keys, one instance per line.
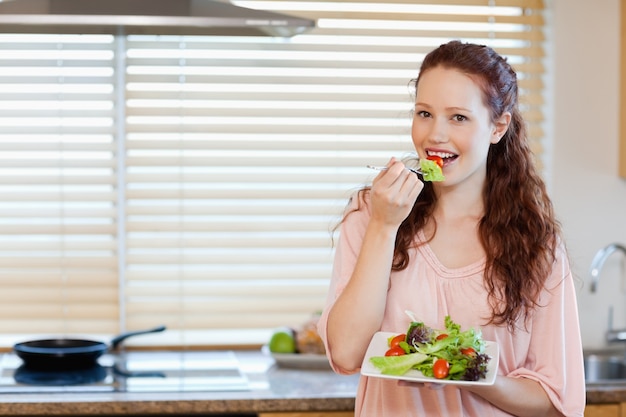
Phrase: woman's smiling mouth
x=446 y=157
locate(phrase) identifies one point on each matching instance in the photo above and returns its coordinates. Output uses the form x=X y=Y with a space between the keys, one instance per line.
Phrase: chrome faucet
x=598 y=262
x=612 y=335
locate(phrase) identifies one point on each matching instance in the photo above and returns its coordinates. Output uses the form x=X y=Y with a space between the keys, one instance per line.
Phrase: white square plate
x=378 y=347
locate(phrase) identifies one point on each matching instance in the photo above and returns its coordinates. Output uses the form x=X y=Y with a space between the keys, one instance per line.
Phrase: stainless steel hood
x=161 y=17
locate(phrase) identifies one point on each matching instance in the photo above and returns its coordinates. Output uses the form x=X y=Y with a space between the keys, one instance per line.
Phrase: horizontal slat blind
x=238 y=156
x=241 y=152
x=249 y=151
x=58 y=247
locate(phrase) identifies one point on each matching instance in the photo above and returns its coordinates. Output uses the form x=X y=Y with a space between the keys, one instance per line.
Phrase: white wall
x=589 y=196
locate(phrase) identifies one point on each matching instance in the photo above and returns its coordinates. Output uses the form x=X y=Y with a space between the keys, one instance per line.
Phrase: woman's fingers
x=394 y=192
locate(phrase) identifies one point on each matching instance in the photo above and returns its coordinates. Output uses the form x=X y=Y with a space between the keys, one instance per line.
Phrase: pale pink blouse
x=549 y=352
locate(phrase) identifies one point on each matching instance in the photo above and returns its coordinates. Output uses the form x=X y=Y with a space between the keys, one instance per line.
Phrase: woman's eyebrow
x=452 y=108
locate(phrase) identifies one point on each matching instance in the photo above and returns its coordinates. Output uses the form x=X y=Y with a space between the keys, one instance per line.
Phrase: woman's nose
x=438 y=132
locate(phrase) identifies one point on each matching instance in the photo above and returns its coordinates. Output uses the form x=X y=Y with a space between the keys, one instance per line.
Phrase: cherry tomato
x=395 y=351
x=469 y=351
x=396 y=340
x=441 y=336
x=436 y=159
x=441 y=367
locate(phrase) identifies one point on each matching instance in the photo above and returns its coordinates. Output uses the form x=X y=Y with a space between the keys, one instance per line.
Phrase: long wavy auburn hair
x=518 y=230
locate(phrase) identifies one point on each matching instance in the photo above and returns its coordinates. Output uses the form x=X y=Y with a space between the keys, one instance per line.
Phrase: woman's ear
x=500 y=127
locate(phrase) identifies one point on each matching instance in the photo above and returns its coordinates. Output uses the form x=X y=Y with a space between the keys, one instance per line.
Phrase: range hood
x=159 y=17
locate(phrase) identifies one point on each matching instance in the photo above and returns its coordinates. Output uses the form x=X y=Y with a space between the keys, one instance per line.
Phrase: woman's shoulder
x=359 y=201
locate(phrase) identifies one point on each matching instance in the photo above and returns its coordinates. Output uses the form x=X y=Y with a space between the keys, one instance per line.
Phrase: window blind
x=236 y=157
x=58 y=269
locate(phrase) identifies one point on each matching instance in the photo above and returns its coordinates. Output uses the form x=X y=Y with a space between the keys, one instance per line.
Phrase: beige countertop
x=271 y=389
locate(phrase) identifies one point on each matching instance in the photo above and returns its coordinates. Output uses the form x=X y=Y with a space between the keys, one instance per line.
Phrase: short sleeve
x=555 y=358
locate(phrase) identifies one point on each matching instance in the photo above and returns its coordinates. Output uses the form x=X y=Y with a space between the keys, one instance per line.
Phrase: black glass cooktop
x=153 y=371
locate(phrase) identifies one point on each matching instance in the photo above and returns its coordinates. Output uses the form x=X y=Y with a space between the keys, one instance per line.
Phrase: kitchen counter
x=271 y=389
x=606 y=393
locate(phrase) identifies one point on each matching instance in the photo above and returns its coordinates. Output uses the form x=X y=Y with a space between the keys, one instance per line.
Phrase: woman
x=482 y=246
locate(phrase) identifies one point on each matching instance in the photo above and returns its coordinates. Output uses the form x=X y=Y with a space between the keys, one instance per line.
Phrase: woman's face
x=452 y=121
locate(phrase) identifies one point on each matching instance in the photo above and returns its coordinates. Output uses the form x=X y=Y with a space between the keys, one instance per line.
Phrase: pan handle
x=120 y=338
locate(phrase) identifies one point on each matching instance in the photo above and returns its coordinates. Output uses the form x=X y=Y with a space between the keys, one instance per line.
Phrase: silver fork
x=382 y=168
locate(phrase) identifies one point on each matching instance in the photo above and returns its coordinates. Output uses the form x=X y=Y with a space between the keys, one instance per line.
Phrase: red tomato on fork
x=436 y=159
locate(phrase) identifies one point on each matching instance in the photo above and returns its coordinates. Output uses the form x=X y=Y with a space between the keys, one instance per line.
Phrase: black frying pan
x=69 y=353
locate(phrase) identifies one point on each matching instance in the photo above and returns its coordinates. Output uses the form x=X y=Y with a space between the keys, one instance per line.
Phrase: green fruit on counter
x=282 y=341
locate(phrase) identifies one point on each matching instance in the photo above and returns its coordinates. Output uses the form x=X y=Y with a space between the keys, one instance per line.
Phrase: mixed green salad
x=442 y=354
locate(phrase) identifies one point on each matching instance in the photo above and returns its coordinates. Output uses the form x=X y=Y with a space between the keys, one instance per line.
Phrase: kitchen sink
x=605 y=367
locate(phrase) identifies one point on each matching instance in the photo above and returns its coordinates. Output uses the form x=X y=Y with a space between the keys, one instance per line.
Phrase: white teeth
x=441 y=154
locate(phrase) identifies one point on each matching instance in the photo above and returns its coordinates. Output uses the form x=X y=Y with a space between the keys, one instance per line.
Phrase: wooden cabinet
x=603 y=410
x=606 y=410
x=311 y=414
x=622 y=111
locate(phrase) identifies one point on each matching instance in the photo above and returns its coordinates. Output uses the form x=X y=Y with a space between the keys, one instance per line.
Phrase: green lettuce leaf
x=397 y=365
x=431 y=171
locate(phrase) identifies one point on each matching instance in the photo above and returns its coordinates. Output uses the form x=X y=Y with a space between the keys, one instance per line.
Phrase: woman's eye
x=422 y=113
x=459 y=118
